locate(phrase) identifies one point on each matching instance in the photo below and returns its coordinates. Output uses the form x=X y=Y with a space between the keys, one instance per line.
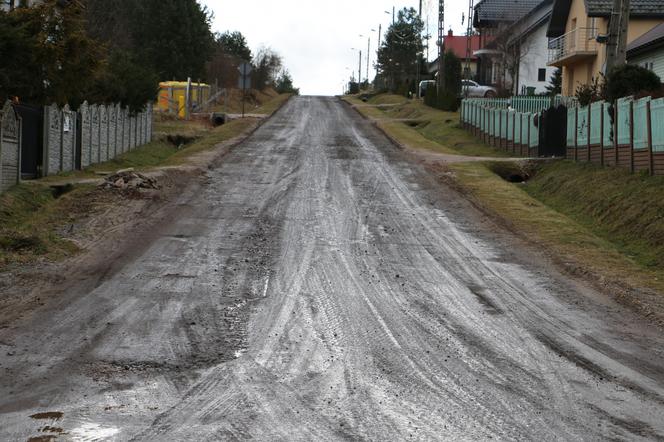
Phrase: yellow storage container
x=172 y=96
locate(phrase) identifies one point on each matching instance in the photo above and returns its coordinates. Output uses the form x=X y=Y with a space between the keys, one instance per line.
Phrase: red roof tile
x=457 y=43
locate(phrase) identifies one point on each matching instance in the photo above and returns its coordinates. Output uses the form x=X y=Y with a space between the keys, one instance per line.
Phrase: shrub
x=629 y=79
x=588 y=93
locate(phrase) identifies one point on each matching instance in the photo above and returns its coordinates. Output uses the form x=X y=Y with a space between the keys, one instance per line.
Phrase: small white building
x=527 y=38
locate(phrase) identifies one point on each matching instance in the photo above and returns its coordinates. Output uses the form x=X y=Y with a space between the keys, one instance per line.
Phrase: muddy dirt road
x=321 y=286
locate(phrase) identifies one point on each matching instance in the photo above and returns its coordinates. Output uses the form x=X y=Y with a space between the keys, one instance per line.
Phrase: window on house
x=541 y=74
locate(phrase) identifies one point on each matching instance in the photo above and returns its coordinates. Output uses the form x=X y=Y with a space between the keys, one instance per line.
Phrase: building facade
x=648 y=51
x=574 y=27
x=527 y=41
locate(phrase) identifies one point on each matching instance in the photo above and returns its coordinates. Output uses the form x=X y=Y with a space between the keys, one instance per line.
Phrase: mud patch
x=344 y=153
x=56 y=415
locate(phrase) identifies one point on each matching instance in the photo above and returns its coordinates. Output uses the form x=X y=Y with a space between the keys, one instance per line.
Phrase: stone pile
x=129 y=180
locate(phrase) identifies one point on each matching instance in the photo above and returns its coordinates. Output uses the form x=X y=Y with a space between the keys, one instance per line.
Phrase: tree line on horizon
x=117 y=51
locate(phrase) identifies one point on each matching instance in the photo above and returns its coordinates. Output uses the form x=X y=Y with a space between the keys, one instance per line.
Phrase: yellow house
x=573 y=31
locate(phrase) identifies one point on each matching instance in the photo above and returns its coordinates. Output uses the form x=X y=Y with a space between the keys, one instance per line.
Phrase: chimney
x=450 y=33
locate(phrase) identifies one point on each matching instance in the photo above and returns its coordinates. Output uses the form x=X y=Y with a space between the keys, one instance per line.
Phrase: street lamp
x=359 y=70
x=392 y=13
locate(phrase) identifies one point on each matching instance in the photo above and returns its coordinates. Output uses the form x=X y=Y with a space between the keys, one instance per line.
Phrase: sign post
x=244 y=81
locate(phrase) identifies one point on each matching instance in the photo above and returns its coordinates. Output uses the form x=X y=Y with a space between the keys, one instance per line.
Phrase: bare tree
x=513 y=49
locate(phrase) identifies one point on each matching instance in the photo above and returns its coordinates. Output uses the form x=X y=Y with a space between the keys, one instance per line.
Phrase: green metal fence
x=657 y=124
x=640 y=113
x=635 y=124
x=624 y=121
x=596 y=112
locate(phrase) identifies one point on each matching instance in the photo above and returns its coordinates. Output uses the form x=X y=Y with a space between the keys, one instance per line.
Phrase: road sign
x=245 y=69
x=244 y=83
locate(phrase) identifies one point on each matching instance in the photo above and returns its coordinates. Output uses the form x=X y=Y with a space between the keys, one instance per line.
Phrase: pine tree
x=555 y=83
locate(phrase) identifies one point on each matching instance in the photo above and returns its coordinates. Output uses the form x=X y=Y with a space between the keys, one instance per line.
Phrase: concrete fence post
x=651 y=159
x=631 y=136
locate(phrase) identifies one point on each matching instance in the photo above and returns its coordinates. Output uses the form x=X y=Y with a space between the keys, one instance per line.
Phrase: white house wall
x=653 y=59
x=535 y=57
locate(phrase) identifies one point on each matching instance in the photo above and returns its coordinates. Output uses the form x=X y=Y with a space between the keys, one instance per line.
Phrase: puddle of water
x=92 y=431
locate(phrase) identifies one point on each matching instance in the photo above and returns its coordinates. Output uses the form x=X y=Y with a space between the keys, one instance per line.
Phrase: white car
x=469 y=88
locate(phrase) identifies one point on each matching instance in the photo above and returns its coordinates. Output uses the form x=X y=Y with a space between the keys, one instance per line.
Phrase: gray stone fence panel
x=95 y=155
x=86 y=135
x=10 y=147
x=68 y=143
x=112 y=128
x=106 y=132
x=126 y=128
x=52 y=139
x=103 y=133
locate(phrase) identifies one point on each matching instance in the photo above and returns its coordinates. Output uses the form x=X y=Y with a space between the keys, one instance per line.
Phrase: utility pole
x=359 y=71
x=380 y=29
x=441 y=52
x=419 y=57
x=368 y=52
x=617 y=39
x=469 y=44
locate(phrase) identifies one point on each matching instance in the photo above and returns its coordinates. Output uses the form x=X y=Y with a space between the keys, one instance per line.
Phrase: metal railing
x=579 y=40
x=524 y=103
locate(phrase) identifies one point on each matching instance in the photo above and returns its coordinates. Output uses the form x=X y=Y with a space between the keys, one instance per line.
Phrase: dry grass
x=421 y=127
x=34 y=219
x=573 y=241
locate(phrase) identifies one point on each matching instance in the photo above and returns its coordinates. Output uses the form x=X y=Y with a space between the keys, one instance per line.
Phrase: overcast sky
x=315 y=37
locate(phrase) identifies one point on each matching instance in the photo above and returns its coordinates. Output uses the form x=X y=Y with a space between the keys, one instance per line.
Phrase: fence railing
x=629 y=134
x=501 y=126
x=524 y=103
x=62 y=140
x=94 y=134
x=578 y=42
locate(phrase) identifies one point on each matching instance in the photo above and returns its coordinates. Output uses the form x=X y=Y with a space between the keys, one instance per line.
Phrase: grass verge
x=35 y=217
x=582 y=228
x=422 y=127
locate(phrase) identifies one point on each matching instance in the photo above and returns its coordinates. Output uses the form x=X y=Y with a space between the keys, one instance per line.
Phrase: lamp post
x=359 y=69
x=392 y=13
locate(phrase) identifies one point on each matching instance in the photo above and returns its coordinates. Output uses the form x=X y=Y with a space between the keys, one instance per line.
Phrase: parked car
x=424 y=85
x=472 y=89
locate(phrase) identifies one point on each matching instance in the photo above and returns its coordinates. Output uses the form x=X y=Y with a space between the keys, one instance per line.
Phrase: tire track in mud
x=322 y=287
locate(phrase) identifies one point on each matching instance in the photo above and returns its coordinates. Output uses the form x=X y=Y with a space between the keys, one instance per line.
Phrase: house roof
x=652 y=38
x=458 y=44
x=492 y=12
x=600 y=8
x=534 y=19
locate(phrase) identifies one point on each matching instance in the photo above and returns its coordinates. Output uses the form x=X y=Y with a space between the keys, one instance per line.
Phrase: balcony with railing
x=576 y=45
